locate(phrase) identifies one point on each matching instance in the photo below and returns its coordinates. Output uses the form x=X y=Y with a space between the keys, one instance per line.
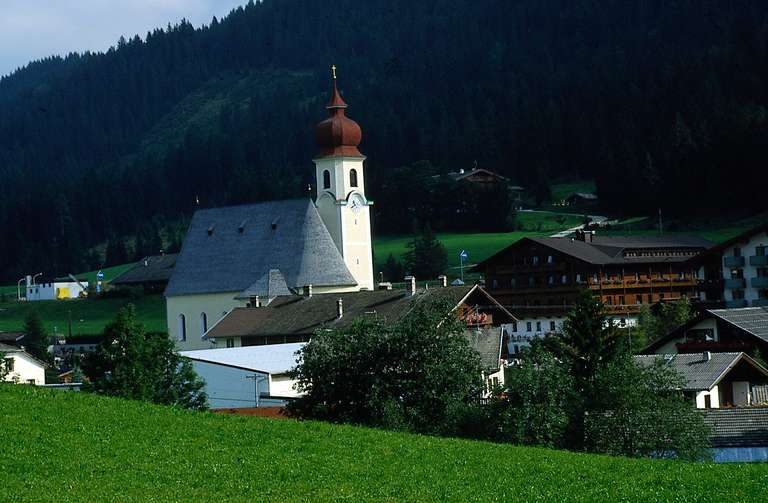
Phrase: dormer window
x=326 y=179
x=353 y=178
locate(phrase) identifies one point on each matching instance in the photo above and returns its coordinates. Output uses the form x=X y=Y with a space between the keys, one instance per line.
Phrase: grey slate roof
x=157 y=268
x=698 y=372
x=750 y=319
x=269 y=286
x=603 y=250
x=738 y=427
x=11 y=337
x=230 y=249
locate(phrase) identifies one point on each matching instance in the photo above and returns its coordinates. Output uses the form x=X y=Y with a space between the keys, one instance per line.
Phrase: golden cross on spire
x=333 y=71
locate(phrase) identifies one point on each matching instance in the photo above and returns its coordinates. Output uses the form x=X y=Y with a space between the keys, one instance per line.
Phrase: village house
x=150 y=273
x=734 y=273
x=231 y=256
x=294 y=319
x=738 y=435
x=57 y=289
x=714 y=380
x=539 y=278
x=718 y=330
x=21 y=367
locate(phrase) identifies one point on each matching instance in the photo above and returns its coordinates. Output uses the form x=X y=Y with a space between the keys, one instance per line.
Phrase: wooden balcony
x=645 y=284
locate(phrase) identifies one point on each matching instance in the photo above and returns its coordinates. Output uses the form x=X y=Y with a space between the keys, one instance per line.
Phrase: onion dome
x=338 y=135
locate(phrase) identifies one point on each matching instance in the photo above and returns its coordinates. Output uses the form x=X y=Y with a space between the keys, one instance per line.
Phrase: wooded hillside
x=662 y=103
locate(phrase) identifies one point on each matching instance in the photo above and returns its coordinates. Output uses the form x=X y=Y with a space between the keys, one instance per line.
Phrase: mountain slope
x=661 y=103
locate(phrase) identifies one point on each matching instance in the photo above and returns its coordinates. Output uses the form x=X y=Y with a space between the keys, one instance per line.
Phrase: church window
x=230 y=342
x=353 y=178
x=203 y=324
x=182 y=328
x=326 y=179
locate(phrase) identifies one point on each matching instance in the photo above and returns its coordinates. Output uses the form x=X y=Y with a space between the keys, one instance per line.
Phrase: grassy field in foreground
x=89 y=316
x=114 y=450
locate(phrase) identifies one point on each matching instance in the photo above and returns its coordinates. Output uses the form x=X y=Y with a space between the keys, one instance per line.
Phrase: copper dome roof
x=338 y=135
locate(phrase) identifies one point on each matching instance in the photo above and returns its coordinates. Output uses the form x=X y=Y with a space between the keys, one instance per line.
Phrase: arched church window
x=353 y=178
x=203 y=324
x=182 y=328
x=326 y=179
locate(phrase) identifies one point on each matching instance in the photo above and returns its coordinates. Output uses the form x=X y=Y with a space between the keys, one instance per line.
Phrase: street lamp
x=18 y=289
x=35 y=276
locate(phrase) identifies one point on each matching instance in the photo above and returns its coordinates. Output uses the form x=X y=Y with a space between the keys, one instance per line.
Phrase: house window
x=353 y=178
x=230 y=342
x=551 y=280
x=326 y=179
x=609 y=300
x=182 y=328
x=494 y=283
x=681 y=275
x=203 y=324
x=564 y=279
x=595 y=278
x=638 y=299
x=637 y=276
x=531 y=281
x=661 y=296
x=621 y=300
x=538 y=326
x=9 y=364
x=550 y=259
x=528 y=326
x=536 y=260
x=578 y=277
x=552 y=326
x=760 y=251
x=514 y=326
x=737 y=252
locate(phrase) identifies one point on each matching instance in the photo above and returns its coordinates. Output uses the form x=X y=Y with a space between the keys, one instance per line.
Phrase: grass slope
x=89 y=316
x=105 y=449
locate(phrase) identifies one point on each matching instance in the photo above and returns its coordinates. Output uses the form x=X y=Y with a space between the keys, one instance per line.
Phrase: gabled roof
x=11 y=337
x=604 y=250
x=583 y=195
x=297 y=315
x=738 y=427
x=269 y=286
x=156 y=268
x=752 y=320
x=461 y=175
x=698 y=371
x=720 y=247
x=269 y=359
x=6 y=349
x=229 y=249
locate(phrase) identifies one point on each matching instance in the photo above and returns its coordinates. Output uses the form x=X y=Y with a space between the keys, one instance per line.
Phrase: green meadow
x=108 y=449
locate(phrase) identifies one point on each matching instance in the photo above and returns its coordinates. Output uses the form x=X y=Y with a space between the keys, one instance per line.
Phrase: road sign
x=100 y=275
x=463 y=255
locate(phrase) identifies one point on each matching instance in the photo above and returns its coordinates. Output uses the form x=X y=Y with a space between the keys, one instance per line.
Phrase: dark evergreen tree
x=426 y=257
x=35 y=337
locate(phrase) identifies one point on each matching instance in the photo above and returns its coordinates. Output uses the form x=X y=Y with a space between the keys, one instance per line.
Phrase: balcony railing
x=735 y=304
x=733 y=261
x=759 y=282
x=735 y=283
x=758 y=260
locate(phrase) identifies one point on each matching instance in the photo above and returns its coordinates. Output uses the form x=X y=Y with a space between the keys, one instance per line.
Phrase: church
x=247 y=255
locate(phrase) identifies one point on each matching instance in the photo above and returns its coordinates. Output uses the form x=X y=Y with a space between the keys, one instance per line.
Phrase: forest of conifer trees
x=662 y=103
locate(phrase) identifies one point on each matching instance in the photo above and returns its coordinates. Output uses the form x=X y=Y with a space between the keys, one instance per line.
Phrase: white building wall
x=748 y=250
x=53 y=291
x=283 y=386
x=215 y=305
x=714 y=398
x=26 y=370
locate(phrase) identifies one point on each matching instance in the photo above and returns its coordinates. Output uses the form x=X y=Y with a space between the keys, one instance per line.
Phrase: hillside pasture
x=108 y=449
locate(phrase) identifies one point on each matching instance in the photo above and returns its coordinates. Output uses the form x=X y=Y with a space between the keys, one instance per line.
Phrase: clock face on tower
x=356 y=203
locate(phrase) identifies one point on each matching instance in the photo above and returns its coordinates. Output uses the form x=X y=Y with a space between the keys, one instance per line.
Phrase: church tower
x=341 y=199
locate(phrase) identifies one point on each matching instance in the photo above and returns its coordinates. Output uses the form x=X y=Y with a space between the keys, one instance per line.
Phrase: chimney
x=410 y=285
x=308 y=291
x=443 y=279
x=385 y=286
x=707 y=356
x=339 y=308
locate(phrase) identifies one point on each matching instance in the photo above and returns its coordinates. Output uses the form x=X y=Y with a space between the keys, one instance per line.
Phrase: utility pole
x=661 y=224
x=256 y=378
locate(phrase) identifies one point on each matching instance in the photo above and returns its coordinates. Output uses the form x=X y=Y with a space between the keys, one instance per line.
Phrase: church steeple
x=341 y=199
x=338 y=135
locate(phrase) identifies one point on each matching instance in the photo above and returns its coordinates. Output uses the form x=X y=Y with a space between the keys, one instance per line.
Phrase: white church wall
x=214 y=305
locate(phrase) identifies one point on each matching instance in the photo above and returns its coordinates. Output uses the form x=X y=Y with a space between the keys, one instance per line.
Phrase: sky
x=34 y=29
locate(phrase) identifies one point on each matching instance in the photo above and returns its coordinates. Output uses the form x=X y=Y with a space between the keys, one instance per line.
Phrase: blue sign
x=463 y=255
x=99 y=275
